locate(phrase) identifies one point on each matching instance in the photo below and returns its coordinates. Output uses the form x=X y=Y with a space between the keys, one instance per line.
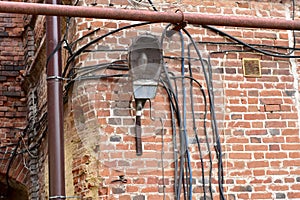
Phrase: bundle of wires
x=185 y=159
x=183 y=176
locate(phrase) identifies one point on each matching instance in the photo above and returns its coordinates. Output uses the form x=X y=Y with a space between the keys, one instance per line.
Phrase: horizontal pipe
x=151 y=16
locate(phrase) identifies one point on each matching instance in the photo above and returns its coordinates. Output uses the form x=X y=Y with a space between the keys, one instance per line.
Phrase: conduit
x=55 y=108
x=54 y=84
x=151 y=16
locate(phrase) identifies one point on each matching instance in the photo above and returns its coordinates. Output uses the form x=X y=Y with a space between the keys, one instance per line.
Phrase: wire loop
x=182 y=15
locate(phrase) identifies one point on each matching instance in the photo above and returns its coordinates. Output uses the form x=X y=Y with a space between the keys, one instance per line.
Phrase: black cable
x=213 y=116
x=162 y=158
x=174 y=140
x=104 y=66
x=79 y=51
x=207 y=141
x=150 y=2
x=9 y=165
x=174 y=107
x=41 y=123
x=101 y=50
x=185 y=142
x=173 y=100
x=170 y=90
x=93 y=68
x=57 y=47
x=206 y=135
x=194 y=124
x=251 y=44
x=99 y=77
x=247 y=45
x=88 y=69
x=294 y=35
x=84 y=36
x=204 y=126
x=68 y=47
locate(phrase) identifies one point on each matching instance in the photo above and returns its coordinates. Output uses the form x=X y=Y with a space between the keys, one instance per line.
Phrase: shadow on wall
x=15 y=192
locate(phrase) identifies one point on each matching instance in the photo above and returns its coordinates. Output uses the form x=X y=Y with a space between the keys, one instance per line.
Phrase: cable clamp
x=65 y=197
x=182 y=24
x=56 y=77
x=177 y=27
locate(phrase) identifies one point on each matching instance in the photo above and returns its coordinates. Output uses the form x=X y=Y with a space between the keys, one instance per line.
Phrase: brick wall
x=35 y=86
x=257 y=117
x=13 y=109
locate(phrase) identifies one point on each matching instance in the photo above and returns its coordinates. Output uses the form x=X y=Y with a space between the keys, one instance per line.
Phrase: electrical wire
x=27 y=148
x=162 y=158
x=67 y=46
x=80 y=50
x=208 y=148
x=99 y=77
x=174 y=109
x=237 y=44
x=177 y=185
x=294 y=35
x=222 y=33
x=186 y=140
x=84 y=36
x=140 y=3
x=170 y=90
x=175 y=150
x=213 y=119
x=204 y=127
x=152 y=5
x=9 y=165
x=173 y=99
x=82 y=71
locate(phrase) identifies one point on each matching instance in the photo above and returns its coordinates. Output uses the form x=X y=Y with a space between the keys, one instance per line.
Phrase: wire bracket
x=64 y=197
x=177 y=27
x=182 y=24
x=56 y=77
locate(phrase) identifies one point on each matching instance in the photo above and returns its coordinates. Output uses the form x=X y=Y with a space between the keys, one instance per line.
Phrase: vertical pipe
x=138 y=136
x=55 y=109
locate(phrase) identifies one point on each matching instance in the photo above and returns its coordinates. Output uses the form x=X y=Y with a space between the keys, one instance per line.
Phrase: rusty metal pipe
x=55 y=109
x=151 y=16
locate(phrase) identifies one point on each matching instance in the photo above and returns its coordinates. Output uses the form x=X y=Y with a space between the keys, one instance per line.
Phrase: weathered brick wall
x=13 y=108
x=35 y=85
x=257 y=117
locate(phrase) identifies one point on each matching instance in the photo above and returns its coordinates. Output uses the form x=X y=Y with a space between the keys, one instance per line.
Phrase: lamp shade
x=145 y=63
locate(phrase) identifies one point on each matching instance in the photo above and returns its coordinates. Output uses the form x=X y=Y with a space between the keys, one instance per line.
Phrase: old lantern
x=145 y=63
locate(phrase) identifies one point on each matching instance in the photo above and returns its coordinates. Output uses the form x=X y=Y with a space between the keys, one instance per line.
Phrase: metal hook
x=177 y=27
x=182 y=15
x=121 y=179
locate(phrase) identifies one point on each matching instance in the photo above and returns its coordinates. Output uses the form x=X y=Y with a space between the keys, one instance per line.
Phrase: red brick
x=290 y=146
x=276 y=124
x=237 y=140
x=288 y=163
x=276 y=155
x=271 y=101
x=240 y=156
x=272 y=108
x=278 y=187
x=254 y=116
x=290 y=132
x=258 y=164
x=263 y=195
x=293 y=195
x=256 y=147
